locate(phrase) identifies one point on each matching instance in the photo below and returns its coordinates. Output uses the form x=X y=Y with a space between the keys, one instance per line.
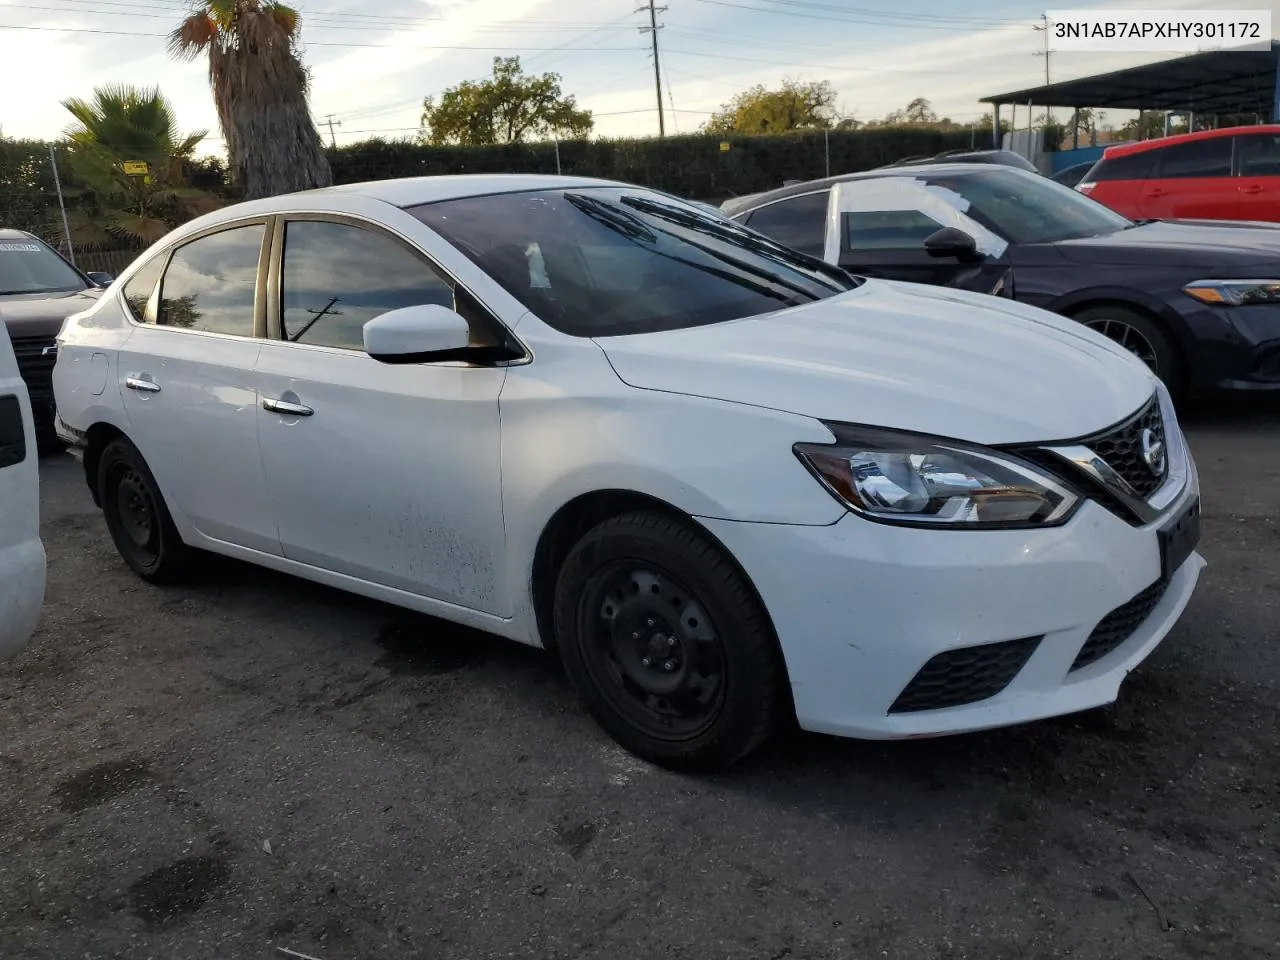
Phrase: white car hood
x=905 y=356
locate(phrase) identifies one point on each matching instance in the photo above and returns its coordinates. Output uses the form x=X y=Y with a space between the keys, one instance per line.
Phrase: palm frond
x=193 y=36
x=286 y=18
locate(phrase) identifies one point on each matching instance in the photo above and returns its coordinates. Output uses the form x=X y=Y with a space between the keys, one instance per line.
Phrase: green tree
x=508 y=107
x=119 y=125
x=260 y=90
x=796 y=105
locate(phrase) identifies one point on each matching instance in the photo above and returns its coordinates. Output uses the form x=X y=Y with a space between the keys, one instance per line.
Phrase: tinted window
x=338 y=277
x=887 y=230
x=1135 y=166
x=210 y=282
x=799 y=222
x=1199 y=158
x=1028 y=208
x=609 y=261
x=1259 y=155
x=137 y=292
x=28 y=266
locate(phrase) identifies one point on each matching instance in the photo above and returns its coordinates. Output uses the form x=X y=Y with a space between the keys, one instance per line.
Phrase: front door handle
x=1252 y=188
x=286 y=408
x=1156 y=193
x=142 y=386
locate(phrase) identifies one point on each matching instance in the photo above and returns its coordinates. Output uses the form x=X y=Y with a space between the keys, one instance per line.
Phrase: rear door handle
x=1252 y=188
x=142 y=386
x=286 y=408
x=1156 y=193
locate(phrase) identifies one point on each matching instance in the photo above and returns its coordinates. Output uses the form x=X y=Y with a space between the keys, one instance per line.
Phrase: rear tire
x=1142 y=336
x=137 y=518
x=666 y=643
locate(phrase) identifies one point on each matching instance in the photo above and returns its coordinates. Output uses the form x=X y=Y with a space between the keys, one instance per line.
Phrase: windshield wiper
x=732 y=233
x=611 y=216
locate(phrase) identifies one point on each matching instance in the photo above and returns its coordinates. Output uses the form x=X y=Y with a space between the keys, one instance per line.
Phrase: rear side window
x=1199 y=158
x=888 y=230
x=1259 y=155
x=798 y=222
x=1135 y=166
x=138 y=290
x=210 y=283
x=338 y=277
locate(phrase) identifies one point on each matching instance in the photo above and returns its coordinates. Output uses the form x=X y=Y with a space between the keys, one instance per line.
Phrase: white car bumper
x=861 y=607
x=22 y=577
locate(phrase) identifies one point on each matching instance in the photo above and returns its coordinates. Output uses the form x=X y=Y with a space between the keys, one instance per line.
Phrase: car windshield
x=1029 y=208
x=609 y=261
x=28 y=266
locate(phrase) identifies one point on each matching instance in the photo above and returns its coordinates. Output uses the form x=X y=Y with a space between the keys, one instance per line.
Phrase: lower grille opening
x=967 y=675
x=1119 y=625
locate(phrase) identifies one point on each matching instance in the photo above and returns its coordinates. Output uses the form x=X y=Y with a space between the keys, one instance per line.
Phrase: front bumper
x=860 y=608
x=1236 y=348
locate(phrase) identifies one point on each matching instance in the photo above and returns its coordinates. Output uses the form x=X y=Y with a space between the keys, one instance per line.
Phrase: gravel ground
x=254 y=763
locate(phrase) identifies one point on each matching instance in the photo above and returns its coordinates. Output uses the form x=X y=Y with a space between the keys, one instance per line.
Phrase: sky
x=371 y=70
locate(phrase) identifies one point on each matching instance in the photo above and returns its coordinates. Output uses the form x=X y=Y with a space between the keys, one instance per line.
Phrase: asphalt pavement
x=252 y=764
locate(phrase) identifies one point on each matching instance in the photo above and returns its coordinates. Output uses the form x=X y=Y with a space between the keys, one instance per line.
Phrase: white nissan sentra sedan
x=724 y=480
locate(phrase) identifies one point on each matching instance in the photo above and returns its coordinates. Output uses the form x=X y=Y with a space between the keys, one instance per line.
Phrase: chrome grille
x=1124 y=449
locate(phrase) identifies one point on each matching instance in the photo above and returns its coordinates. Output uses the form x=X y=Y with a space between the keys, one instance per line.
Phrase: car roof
x=1142 y=146
x=740 y=205
x=412 y=191
x=9 y=233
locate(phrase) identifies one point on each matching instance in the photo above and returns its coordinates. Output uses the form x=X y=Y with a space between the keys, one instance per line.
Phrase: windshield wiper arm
x=611 y=216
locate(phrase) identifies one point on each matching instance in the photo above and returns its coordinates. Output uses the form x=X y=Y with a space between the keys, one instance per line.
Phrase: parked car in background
x=1199 y=303
x=38 y=290
x=1006 y=158
x=708 y=469
x=22 y=560
x=1227 y=174
x=1072 y=175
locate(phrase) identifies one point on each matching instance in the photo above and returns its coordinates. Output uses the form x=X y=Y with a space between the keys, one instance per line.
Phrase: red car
x=1229 y=174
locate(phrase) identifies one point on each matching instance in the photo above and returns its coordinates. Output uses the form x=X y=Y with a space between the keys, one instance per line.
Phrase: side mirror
x=100 y=278
x=427 y=333
x=951 y=242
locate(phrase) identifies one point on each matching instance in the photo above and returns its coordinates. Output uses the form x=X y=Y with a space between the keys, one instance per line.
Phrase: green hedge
x=28 y=198
x=692 y=166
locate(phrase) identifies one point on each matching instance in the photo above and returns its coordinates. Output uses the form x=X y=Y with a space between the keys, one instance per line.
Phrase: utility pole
x=1043 y=27
x=332 y=123
x=653 y=29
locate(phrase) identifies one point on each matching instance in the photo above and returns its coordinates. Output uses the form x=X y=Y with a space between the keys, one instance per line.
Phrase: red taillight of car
x=1085 y=188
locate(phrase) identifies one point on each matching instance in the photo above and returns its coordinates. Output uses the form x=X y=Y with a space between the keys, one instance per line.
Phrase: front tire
x=1140 y=335
x=666 y=643
x=137 y=518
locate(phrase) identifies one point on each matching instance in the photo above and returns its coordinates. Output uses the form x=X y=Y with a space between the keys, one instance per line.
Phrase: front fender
x=1076 y=300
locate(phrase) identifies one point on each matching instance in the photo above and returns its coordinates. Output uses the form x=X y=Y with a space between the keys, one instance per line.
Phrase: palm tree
x=123 y=124
x=260 y=90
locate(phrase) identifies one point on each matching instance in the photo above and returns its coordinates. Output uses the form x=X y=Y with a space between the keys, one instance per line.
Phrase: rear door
x=1192 y=181
x=189 y=388
x=1258 y=183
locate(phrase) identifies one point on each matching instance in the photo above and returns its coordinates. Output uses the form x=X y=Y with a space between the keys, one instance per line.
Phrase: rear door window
x=138 y=289
x=1199 y=158
x=798 y=222
x=1259 y=155
x=211 y=282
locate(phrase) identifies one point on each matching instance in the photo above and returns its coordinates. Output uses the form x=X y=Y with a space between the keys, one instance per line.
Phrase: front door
x=877 y=228
x=387 y=473
x=1191 y=181
x=188 y=384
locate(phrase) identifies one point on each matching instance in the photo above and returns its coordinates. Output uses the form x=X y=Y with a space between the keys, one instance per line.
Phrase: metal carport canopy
x=1218 y=81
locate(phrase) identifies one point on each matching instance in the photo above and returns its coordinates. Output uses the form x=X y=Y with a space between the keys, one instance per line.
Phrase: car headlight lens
x=918 y=480
x=1234 y=293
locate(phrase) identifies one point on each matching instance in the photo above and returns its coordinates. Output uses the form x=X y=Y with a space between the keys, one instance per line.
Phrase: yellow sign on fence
x=724 y=146
x=136 y=168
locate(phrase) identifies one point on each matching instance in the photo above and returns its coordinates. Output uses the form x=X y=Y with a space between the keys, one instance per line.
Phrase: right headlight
x=918 y=480
x=1234 y=293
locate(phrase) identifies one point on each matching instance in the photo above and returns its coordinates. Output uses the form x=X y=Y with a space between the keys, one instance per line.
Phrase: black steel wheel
x=1141 y=336
x=666 y=643
x=137 y=518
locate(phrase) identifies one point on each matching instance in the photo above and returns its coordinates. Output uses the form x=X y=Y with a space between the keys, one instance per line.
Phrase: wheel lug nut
x=669 y=665
x=646 y=662
x=651 y=623
x=636 y=635
x=671 y=641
